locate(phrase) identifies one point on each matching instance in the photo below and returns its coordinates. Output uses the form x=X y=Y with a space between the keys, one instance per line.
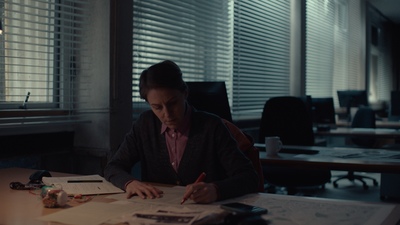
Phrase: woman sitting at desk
x=175 y=143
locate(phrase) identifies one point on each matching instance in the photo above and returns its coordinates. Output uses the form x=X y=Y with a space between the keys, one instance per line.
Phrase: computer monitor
x=352 y=98
x=210 y=96
x=323 y=111
x=394 y=111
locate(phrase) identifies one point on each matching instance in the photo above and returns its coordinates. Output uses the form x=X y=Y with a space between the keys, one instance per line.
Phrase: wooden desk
x=378 y=124
x=360 y=132
x=336 y=158
x=21 y=207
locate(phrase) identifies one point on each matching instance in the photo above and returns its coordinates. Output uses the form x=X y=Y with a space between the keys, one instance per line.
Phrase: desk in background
x=386 y=162
x=378 y=124
x=335 y=158
x=21 y=207
x=341 y=136
x=360 y=132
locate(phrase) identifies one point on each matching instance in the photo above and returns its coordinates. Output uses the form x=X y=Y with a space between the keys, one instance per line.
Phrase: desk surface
x=337 y=158
x=361 y=132
x=22 y=207
x=378 y=124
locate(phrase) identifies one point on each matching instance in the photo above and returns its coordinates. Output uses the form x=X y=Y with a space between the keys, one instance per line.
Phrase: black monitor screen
x=353 y=98
x=395 y=103
x=323 y=111
x=210 y=96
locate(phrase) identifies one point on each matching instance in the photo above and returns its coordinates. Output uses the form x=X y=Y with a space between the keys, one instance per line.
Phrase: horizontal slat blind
x=320 y=17
x=261 y=66
x=381 y=78
x=194 y=34
x=39 y=49
x=335 y=47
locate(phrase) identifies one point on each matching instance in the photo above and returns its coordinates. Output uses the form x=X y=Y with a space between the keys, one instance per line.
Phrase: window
x=194 y=34
x=335 y=47
x=41 y=55
x=244 y=43
x=261 y=60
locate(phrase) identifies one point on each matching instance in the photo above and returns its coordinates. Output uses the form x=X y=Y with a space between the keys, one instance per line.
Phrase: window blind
x=261 y=64
x=194 y=34
x=381 y=73
x=41 y=51
x=335 y=47
x=244 y=43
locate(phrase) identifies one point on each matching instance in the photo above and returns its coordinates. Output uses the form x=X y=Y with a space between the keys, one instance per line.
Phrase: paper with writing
x=84 y=188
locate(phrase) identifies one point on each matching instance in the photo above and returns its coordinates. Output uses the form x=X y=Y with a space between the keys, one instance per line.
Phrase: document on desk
x=299 y=210
x=165 y=210
x=84 y=185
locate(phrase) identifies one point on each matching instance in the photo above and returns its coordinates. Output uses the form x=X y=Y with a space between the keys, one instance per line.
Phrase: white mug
x=272 y=145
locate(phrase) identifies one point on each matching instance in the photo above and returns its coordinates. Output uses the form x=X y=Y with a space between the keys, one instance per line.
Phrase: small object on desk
x=238 y=207
x=23 y=106
x=199 y=179
x=273 y=145
x=21 y=186
x=241 y=213
x=84 y=181
x=38 y=176
x=55 y=198
x=299 y=151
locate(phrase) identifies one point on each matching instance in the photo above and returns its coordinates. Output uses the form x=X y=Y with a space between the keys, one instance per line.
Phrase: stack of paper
x=84 y=185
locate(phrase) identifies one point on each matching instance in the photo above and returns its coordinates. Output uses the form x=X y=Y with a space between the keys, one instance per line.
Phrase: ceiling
x=389 y=8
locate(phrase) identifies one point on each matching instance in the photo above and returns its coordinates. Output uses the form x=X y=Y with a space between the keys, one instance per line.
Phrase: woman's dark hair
x=165 y=74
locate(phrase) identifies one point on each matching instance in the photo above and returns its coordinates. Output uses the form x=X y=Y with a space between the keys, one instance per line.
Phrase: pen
x=84 y=181
x=199 y=179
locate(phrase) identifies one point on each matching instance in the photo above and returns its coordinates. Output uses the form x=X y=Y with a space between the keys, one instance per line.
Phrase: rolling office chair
x=289 y=118
x=364 y=118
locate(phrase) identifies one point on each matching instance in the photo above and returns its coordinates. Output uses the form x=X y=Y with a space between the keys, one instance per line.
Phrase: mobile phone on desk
x=238 y=207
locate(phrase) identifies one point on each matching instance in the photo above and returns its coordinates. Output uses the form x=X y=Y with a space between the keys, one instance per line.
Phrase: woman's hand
x=201 y=192
x=143 y=190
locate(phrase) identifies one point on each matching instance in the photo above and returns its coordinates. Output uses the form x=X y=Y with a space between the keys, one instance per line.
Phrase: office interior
x=83 y=146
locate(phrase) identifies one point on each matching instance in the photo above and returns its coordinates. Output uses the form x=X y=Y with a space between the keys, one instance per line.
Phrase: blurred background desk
x=386 y=162
x=344 y=136
x=378 y=123
x=335 y=158
x=361 y=132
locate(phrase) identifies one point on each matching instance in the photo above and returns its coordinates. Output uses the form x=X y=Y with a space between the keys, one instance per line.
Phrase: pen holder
x=53 y=197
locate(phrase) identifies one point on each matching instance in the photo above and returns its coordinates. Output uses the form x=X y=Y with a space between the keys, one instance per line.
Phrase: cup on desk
x=273 y=145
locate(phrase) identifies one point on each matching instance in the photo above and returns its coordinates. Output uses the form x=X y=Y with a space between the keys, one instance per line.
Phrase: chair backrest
x=246 y=145
x=210 y=96
x=364 y=118
x=288 y=118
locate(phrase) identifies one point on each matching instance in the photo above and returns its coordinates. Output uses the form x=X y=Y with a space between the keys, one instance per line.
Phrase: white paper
x=89 y=188
x=89 y=213
x=282 y=210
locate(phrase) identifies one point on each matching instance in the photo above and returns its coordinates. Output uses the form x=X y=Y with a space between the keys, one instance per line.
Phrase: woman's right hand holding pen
x=201 y=192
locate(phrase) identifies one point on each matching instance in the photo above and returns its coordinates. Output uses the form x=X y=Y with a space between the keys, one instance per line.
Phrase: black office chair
x=288 y=118
x=210 y=96
x=364 y=118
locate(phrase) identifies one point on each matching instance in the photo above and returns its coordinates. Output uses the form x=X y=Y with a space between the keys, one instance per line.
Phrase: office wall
x=110 y=102
x=95 y=135
x=297 y=76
